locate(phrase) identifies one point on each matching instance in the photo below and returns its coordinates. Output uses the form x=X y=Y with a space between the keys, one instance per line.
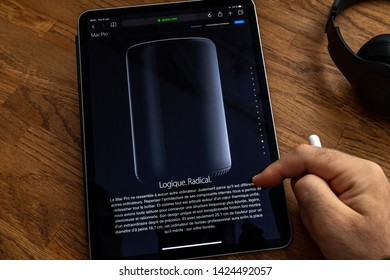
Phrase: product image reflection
x=178 y=119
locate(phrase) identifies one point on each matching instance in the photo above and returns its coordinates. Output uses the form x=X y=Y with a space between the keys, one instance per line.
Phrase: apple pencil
x=314 y=140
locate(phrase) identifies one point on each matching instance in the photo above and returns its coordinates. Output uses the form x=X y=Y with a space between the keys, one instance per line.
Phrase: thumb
x=318 y=204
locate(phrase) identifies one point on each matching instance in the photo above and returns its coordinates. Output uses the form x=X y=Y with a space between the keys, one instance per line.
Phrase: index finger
x=305 y=159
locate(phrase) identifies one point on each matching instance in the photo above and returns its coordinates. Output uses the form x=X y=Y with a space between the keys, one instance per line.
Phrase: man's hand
x=344 y=201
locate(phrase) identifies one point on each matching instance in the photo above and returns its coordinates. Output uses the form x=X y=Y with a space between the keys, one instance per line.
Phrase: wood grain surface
x=41 y=184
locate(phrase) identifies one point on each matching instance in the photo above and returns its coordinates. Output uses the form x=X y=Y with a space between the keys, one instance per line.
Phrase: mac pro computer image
x=177 y=113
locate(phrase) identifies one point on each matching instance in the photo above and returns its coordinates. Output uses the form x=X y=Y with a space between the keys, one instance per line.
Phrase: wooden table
x=41 y=184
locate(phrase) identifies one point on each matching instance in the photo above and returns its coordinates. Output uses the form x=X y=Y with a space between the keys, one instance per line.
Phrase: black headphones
x=368 y=71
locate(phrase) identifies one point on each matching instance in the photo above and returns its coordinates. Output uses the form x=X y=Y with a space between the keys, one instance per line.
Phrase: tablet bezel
x=86 y=129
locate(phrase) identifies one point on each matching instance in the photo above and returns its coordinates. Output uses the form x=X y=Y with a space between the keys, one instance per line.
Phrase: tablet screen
x=176 y=119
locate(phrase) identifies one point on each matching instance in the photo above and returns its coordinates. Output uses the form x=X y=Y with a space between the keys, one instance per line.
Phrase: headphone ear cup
x=376 y=49
x=373 y=88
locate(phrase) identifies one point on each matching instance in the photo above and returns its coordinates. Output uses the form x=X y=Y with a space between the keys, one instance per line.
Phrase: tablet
x=176 y=119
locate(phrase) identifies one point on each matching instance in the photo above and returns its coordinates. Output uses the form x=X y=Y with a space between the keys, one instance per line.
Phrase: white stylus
x=314 y=140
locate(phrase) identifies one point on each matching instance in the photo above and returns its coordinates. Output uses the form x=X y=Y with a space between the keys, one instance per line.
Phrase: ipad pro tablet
x=176 y=119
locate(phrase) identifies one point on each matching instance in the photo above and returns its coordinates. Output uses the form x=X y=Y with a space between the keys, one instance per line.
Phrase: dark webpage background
x=110 y=165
